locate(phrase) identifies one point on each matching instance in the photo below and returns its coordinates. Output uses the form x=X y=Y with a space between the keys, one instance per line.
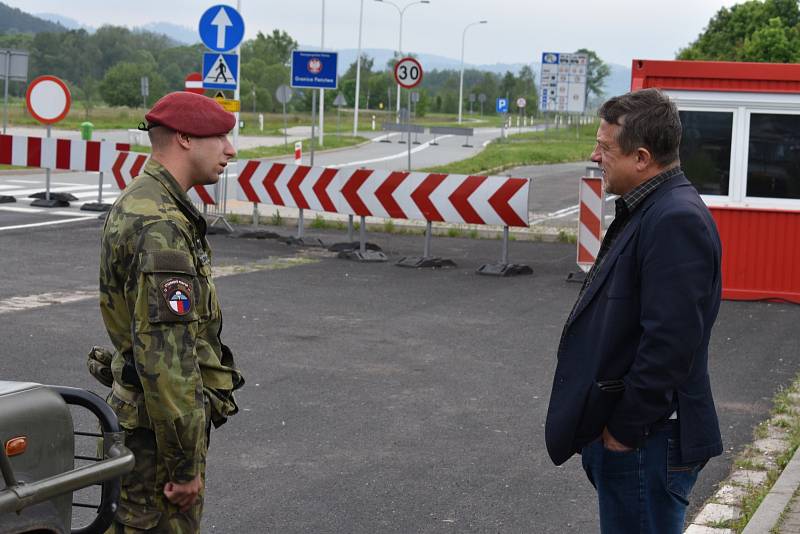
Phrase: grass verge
x=331 y=142
x=533 y=148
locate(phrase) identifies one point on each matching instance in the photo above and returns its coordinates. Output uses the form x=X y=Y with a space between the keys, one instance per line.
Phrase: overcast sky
x=517 y=30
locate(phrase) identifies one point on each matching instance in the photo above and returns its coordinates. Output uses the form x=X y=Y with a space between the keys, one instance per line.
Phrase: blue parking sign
x=502 y=105
x=316 y=70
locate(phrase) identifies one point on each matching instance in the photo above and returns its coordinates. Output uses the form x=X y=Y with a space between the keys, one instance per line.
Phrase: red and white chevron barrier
x=62 y=154
x=590 y=221
x=378 y=193
x=128 y=165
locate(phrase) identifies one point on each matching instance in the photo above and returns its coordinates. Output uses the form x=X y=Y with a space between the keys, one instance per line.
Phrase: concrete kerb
x=771 y=508
x=754 y=469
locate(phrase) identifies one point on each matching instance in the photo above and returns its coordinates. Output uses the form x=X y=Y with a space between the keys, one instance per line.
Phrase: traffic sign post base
x=503 y=269
x=95 y=206
x=430 y=262
x=5 y=199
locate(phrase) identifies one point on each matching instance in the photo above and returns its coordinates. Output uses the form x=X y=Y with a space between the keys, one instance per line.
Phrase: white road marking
x=69 y=189
x=70 y=213
x=30 y=302
x=402 y=154
x=48 y=223
x=15 y=304
x=23 y=181
x=16 y=209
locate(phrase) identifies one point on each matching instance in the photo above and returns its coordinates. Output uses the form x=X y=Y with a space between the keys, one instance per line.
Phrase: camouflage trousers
x=143 y=506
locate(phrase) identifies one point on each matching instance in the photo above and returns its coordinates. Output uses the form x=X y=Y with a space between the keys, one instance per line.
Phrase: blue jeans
x=645 y=490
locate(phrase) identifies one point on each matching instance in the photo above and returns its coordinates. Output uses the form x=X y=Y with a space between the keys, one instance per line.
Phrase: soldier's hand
x=183 y=495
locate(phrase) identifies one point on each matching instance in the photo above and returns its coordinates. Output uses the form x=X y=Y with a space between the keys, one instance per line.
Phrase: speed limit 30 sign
x=408 y=73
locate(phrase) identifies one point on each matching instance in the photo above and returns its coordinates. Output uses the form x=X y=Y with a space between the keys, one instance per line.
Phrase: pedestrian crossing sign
x=220 y=71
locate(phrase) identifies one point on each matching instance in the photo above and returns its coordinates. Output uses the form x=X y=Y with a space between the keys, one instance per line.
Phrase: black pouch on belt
x=99 y=364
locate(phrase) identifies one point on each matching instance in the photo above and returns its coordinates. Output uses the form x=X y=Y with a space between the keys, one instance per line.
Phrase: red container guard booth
x=741 y=149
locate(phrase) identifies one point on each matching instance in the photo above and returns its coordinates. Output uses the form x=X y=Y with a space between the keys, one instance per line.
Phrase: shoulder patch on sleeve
x=178 y=294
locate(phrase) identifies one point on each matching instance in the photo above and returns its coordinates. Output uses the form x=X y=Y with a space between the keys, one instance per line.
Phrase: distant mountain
x=68 y=23
x=618 y=81
x=180 y=34
x=13 y=20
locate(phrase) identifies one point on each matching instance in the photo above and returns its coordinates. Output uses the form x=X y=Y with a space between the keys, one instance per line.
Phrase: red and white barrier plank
x=378 y=193
x=59 y=154
x=590 y=221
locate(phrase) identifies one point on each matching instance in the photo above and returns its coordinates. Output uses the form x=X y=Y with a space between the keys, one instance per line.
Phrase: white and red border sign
x=48 y=99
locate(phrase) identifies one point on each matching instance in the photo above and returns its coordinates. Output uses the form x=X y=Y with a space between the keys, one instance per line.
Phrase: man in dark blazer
x=631 y=391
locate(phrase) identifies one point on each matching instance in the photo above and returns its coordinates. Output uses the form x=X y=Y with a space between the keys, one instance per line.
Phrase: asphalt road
x=381 y=399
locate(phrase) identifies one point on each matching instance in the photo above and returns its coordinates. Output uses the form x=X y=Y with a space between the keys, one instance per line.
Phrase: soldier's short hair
x=647 y=119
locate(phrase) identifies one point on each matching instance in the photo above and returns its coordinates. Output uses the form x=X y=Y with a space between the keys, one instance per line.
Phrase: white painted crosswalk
x=31 y=217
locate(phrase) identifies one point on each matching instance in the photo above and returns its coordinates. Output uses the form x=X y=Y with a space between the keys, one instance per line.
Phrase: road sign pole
x=47 y=174
x=408 y=124
x=426 y=253
x=313 y=122
x=285 y=134
x=350 y=228
x=5 y=91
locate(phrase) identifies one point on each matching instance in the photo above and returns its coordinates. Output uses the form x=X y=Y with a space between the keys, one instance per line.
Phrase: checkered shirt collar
x=633 y=198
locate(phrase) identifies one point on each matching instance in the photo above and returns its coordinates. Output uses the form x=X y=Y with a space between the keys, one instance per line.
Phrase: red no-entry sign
x=194 y=83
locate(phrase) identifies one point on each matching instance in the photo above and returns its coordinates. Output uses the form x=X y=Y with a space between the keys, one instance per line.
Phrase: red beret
x=191 y=114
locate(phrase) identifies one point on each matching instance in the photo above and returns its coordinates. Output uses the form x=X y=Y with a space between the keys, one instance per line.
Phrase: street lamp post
x=461 y=82
x=401 y=12
x=358 y=69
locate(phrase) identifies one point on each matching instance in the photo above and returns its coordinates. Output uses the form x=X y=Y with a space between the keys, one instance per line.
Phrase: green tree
x=774 y=43
x=121 y=86
x=273 y=48
x=596 y=72
x=748 y=31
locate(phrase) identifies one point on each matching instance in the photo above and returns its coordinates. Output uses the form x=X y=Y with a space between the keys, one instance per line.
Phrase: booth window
x=706 y=150
x=773 y=161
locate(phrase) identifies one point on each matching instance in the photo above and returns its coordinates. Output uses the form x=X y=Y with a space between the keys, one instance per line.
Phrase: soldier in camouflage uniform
x=173 y=377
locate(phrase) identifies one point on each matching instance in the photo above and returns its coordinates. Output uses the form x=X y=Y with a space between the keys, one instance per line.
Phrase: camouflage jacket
x=160 y=307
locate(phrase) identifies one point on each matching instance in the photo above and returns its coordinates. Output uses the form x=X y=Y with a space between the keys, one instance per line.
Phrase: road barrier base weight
x=504 y=269
x=213 y=228
x=353 y=245
x=259 y=234
x=50 y=203
x=95 y=206
x=303 y=241
x=425 y=262
x=370 y=256
x=56 y=200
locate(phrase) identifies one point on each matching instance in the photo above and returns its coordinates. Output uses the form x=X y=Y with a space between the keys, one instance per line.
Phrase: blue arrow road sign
x=314 y=69
x=220 y=71
x=502 y=105
x=221 y=28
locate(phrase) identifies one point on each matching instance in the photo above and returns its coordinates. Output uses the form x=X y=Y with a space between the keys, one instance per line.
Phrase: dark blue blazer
x=645 y=320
